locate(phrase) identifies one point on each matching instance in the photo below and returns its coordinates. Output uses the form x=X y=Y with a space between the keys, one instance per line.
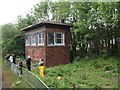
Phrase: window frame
x=33 y=39
x=62 y=39
x=42 y=38
x=55 y=42
x=28 y=36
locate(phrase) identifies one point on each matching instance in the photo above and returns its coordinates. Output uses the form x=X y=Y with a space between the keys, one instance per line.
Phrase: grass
x=84 y=73
x=12 y=78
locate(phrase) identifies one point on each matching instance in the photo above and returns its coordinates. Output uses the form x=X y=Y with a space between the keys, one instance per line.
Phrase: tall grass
x=11 y=78
x=83 y=73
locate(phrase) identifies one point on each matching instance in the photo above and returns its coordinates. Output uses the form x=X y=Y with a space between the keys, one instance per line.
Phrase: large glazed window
x=33 y=39
x=59 y=38
x=55 y=39
x=27 y=40
x=50 y=38
x=41 y=38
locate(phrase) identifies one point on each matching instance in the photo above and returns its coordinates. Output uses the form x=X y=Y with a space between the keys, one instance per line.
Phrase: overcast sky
x=10 y=9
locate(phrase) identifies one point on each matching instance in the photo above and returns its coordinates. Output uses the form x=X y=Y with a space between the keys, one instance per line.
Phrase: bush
x=82 y=73
x=77 y=58
x=84 y=77
x=107 y=68
x=104 y=54
x=96 y=64
x=116 y=70
x=96 y=87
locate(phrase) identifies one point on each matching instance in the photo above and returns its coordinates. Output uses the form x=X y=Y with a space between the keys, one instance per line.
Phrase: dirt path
x=0 y=78
x=5 y=83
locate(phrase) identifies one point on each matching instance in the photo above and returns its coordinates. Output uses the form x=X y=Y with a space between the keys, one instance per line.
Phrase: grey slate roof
x=45 y=23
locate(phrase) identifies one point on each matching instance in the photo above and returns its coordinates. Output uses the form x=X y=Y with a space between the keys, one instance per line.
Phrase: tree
x=11 y=40
x=96 y=26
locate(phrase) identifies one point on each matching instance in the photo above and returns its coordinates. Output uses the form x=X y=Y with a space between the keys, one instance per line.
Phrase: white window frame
x=42 y=38
x=55 y=42
x=52 y=44
x=63 y=39
x=27 y=40
x=33 y=39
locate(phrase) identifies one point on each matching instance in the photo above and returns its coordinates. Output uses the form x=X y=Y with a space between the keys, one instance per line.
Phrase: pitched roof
x=45 y=23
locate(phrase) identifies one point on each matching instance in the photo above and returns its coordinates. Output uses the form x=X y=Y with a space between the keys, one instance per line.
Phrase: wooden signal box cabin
x=48 y=40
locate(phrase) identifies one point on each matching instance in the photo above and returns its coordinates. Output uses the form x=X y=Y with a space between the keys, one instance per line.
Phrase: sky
x=10 y=9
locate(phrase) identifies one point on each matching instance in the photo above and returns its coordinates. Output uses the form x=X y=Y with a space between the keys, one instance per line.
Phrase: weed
x=96 y=87
x=96 y=65
x=83 y=73
x=107 y=68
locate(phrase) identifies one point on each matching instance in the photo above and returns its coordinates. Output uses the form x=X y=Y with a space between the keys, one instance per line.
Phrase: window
x=56 y=39
x=50 y=38
x=41 y=38
x=33 y=39
x=27 y=40
x=59 y=39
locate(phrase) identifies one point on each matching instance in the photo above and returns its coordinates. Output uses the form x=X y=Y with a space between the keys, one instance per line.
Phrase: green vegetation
x=12 y=78
x=83 y=73
x=12 y=40
x=96 y=27
x=95 y=33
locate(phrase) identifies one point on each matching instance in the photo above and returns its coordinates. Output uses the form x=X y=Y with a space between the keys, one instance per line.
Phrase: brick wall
x=35 y=52
x=56 y=55
x=53 y=55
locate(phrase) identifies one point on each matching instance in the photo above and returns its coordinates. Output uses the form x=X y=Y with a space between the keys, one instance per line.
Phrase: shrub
x=116 y=70
x=104 y=54
x=84 y=77
x=82 y=73
x=77 y=58
x=96 y=87
x=90 y=84
x=107 y=68
x=96 y=64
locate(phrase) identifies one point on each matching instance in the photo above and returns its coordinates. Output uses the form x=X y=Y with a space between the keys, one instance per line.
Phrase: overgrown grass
x=12 y=78
x=83 y=73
